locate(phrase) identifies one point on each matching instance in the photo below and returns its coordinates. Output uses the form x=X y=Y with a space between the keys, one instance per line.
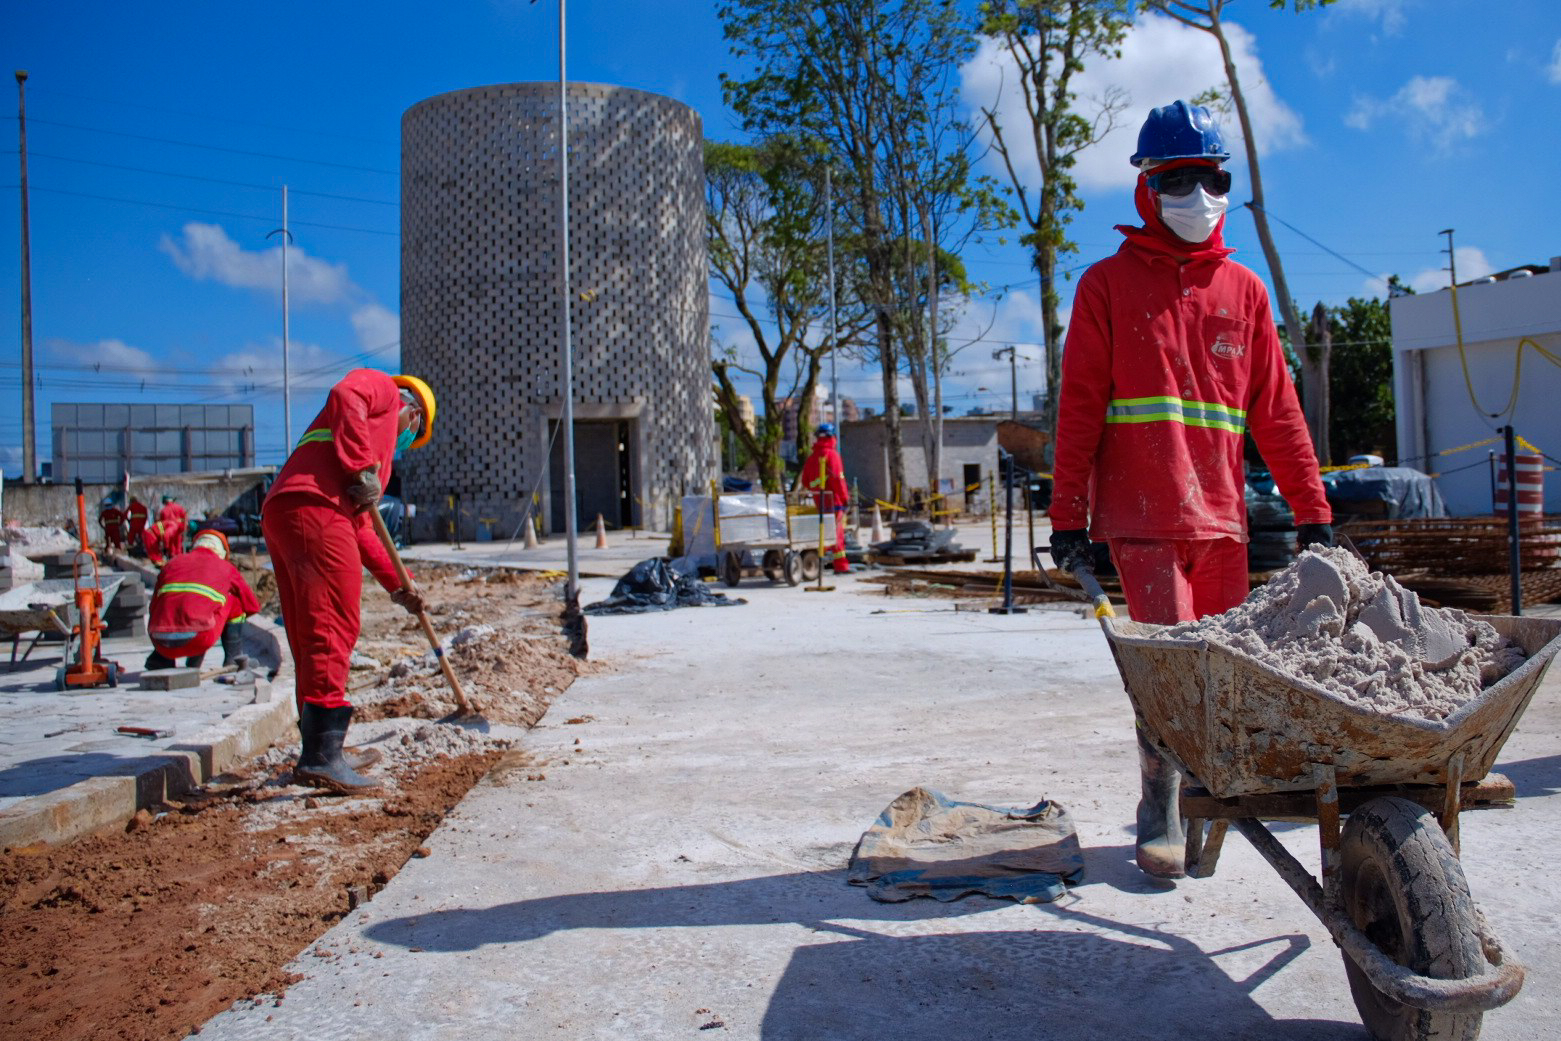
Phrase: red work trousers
x=319 y=578
x=840 y=563
x=173 y=540
x=1180 y=580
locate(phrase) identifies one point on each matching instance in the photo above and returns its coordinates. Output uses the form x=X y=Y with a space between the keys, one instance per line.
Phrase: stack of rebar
x=1455 y=545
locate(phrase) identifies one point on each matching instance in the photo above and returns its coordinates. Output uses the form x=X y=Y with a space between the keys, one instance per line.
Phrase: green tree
x=764 y=214
x=1361 y=380
x=857 y=82
x=1049 y=42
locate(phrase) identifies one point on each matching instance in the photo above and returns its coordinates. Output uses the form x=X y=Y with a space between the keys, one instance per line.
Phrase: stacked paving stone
x=7 y=573
x=480 y=294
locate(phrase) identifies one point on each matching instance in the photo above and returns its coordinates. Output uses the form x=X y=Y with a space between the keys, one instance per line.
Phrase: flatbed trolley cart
x=1258 y=745
x=789 y=554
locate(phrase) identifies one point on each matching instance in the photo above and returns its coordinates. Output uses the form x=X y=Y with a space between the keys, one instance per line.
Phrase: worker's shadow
x=1534 y=777
x=859 y=981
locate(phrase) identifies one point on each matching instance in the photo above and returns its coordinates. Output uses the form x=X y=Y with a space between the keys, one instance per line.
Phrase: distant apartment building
x=823 y=411
x=101 y=443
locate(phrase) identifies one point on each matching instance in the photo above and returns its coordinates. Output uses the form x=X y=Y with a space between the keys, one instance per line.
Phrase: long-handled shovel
x=464 y=709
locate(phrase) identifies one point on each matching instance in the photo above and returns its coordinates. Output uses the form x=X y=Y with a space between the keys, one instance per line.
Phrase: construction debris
x=1329 y=621
x=918 y=542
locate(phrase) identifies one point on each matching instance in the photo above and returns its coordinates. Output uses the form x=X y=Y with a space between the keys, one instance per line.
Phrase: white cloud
x=1434 y=110
x=1162 y=60
x=376 y=325
x=206 y=253
x=310 y=367
x=1472 y=264
x=1388 y=12
x=110 y=355
x=11 y=459
x=1553 y=70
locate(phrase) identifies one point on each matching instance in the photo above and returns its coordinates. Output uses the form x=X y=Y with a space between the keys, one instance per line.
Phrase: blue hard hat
x=1180 y=131
x=826 y=430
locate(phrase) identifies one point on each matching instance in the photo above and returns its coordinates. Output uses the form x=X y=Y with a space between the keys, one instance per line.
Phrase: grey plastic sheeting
x=926 y=844
x=1407 y=491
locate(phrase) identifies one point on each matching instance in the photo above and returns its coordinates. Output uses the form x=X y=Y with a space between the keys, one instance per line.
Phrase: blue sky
x=160 y=136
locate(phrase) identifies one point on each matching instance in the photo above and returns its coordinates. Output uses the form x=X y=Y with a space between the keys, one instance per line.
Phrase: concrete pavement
x=681 y=868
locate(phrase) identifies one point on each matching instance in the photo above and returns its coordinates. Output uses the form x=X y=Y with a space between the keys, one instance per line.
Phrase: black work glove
x=363 y=491
x=1310 y=534
x=1071 y=550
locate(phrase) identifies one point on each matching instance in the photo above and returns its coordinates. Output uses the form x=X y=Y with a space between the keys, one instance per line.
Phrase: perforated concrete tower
x=481 y=315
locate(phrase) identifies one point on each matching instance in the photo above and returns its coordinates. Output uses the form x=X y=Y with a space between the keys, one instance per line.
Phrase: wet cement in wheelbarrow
x=1329 y=619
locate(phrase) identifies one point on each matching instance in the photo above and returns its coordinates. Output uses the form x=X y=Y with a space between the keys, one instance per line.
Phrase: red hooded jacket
x=824 y=472
x=355 y=431
x=1171 y=354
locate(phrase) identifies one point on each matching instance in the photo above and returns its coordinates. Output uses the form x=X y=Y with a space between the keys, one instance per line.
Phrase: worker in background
x=155 y=543
x=200 y=600
x=321 y=536
x=112 y=520
x=824 y=475
x=135 y=522
x=174 y=520
x=1171 y=356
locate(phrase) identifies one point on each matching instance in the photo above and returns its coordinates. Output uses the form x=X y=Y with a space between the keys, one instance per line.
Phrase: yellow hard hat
x=425 y=398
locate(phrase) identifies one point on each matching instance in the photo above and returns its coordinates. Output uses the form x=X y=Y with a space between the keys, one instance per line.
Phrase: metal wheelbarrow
x=1258 y=745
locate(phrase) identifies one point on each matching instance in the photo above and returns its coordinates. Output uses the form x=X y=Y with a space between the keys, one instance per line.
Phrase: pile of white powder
x=1358 y=633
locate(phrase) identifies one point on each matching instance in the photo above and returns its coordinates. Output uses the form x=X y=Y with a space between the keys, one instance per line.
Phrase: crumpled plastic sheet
x=926 y=844
x=658 y=584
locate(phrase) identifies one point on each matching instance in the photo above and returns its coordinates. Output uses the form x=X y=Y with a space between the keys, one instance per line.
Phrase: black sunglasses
x=1182 y=180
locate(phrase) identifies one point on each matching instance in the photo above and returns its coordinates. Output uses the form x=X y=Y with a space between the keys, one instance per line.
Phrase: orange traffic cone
x=878 y=533
x=601 y=532
x=531 y=533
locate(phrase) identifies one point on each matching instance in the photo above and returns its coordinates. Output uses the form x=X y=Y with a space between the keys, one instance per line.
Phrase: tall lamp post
x=572 y=588
x=29 y=421
x=287 y=389
x=1013 y=378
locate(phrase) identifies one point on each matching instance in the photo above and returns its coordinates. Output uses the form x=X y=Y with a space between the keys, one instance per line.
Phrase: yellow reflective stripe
x=317 y=434
x=238 y=618
x=196 y=588
x=1207 y=414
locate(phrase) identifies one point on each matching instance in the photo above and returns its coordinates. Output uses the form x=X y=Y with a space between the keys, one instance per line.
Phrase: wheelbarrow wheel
x=1403 y=887
x=731 y=568
x=810 y=565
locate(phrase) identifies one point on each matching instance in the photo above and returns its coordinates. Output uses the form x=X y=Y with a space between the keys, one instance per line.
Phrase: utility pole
x=1013 y=378
x=572 y=586
x=29 y=415
x=1452 y=262
x=287 y=389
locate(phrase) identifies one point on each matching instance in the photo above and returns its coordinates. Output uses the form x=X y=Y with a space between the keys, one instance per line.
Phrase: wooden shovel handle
x=422 y=616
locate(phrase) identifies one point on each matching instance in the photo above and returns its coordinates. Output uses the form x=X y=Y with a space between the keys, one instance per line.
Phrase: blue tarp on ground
x=926 y=844
x=1404 y=491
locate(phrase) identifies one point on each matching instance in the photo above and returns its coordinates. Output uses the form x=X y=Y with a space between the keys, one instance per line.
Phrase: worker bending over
x=174 y=520
x=200 y=599
x=1171 y=356
x=155 y=543
x=824 y=475
x=318 y=529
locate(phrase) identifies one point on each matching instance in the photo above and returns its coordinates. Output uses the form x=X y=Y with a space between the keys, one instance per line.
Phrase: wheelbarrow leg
x=1326 y=780
x=1203 y=847
x=1452 y=800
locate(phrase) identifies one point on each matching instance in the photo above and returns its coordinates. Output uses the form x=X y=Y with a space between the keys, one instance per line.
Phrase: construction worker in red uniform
x=112 y=520
x=200 y=599
x=1172 y=354
x=155 y=543
x=135 y=519
x=174 y=520
x=321 y=537
x=824 y=475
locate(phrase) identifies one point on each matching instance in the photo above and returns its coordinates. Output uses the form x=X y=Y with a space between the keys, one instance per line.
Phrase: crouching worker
x=319 y=528
x=200 y=599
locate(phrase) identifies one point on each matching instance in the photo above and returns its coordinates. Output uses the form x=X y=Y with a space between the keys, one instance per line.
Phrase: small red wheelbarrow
x=1258 y=745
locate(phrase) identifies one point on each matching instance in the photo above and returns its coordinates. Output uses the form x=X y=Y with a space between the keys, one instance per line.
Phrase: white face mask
x=1194 y=216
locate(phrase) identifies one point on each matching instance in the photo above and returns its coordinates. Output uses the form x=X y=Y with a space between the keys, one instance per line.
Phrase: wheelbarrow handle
x=1086 y=580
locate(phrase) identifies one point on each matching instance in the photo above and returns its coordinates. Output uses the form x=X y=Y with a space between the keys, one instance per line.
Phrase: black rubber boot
x=194 y=661
x=320 y=762
x=157 y=661
x=233 y=644
x=1162 y=842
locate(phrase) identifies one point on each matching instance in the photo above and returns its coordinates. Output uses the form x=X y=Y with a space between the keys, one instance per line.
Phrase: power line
x=216 y=148
x=208 y=180
x=205 y=212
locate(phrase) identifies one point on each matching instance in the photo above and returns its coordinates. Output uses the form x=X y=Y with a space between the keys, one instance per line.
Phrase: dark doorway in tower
x=604 y=474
